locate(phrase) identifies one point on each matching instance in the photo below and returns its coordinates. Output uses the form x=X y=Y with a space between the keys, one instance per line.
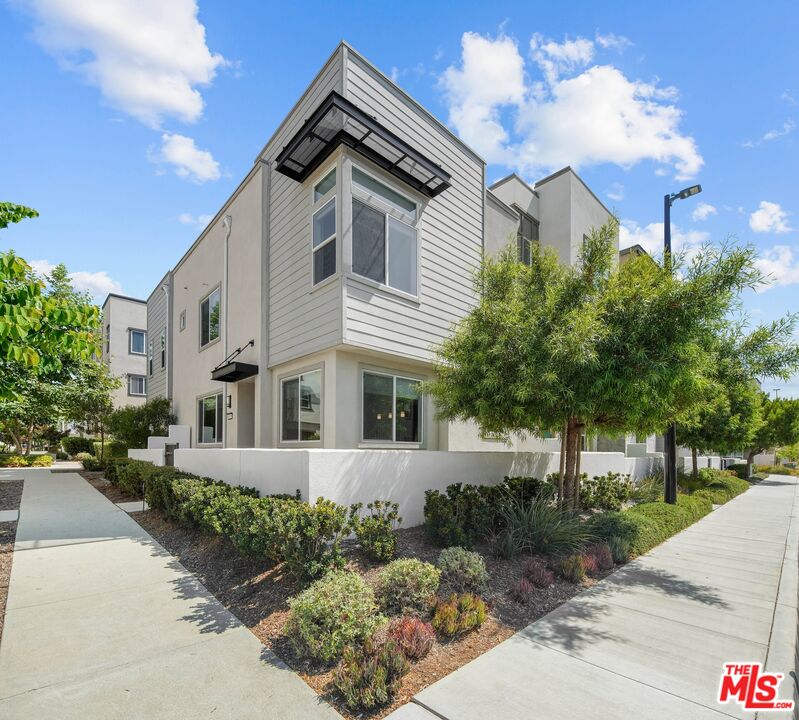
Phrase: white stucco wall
x=153 y=455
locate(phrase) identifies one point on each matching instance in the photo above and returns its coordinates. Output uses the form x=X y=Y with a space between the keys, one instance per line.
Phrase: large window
x=528 y=234
x=209 y=318
x=392 y=409
x=137 y=385
x=209 y=419
x=301 y=407
x=384 y=237
x=324 y=228
x=137 y=340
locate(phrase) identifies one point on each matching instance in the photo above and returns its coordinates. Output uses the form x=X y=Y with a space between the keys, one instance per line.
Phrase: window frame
x=136 y=376
x=317 y=205
x=131 y=332
x=202 y=347
x=395 y=375
x=297 y=375
x=536 y=227
x=375 y=202
x=163 y=348
x=182 y=321
x=218 y=416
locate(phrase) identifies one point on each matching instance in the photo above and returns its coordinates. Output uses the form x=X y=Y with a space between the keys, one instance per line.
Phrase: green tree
x=13 y=213
x=590 y=347
x=780 y=427
x=36 y=405
x=134 y=424
x=89 y=402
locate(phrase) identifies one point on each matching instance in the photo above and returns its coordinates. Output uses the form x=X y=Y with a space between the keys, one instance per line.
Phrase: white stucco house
x=124 y=347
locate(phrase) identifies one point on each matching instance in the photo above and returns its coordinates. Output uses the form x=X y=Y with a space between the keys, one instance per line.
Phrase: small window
x=137 y=385
x=324 y=242
x=209 y=419
x=138 y=341
x=163 y=348
x=301 y=407
x=392 y=409
x=528 y=234
x=209 y=318
x=323 y=187
x=150 y=358
x=108 y=339
x=384 y=193
x=182 y=321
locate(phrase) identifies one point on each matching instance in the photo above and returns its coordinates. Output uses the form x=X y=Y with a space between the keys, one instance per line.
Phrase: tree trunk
x=17 y=440
x=29 y=438
x=695 y=463
x=750 y=458
x=571 y=461
x=563 y=435
x=102 y=442
x=579 y=452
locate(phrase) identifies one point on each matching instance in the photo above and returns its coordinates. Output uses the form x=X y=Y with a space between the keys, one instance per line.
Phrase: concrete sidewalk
x=650 y=640
x=102 y=623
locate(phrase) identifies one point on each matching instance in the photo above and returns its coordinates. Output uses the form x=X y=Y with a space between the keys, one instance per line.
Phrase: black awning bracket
x=336 y=114
x=229 y=370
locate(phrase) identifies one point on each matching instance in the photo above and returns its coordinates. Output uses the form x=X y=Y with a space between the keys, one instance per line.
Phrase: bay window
x=392 y=408
x=301 y=407
x=324 y=228
x=384 y=235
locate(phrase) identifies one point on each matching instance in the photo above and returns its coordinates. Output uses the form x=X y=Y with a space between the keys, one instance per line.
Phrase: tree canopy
x=13 y=213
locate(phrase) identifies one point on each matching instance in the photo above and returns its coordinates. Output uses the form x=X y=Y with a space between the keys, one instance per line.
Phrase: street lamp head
x=687 y=192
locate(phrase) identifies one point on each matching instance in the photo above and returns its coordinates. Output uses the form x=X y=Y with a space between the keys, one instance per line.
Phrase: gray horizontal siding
x=157 y=308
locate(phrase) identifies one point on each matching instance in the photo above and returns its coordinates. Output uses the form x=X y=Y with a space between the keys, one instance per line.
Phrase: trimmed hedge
x=113 y=449
x=722 y=489
x=74 y=444
x=646 y=525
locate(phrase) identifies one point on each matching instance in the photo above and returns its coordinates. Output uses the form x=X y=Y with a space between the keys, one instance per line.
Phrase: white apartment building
x=125 y=347
x=307 y=312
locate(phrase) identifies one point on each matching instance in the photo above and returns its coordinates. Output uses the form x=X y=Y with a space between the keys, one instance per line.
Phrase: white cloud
x=187 y=160
x=615 y=192
x=787 y=96
x=769 y=217
x=650 y=237
x=198 y=221
x=787 y=128
x=98 y=284
x=574 y=116
x=610 y=40
x=147 y=57
x=781 y=264
x=703 y=211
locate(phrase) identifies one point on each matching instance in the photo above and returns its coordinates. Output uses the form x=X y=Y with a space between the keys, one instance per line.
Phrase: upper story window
x=324 y=228
x=384 y=235
x=137 y=341
x=108 y=339
x=528 y=234
x=209 y=317
x=150 y=358
x=163 y=348
x=392 y=409
x=182 y=321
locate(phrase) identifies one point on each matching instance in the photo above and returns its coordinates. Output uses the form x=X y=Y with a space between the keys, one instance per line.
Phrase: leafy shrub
x=648 y=524
x=537 y=573
x=413 y=636
x=132 y=476
x=375 y=532
x=572 y=568
x=16 y=461
x=521 y=590
x=600 y=552
x=619 y=549
x=775 y=470
x=74 y=444
x=723 y=488
x=336 y=611
x=459 y=614
x=407 y=585
x=738 y=469
x=112 y=468
x=111 y=449
x=42 y=461
x=649 y=489
x=605 y=492
x=158 y=490
x=92 y=464
x=464 y=513
x=542 y=528
x=61 y=455
x=370 y=676
x=81 y=456
x=463 y=569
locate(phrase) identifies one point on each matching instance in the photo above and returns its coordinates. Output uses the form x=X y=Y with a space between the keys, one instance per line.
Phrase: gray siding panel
x=157 y=308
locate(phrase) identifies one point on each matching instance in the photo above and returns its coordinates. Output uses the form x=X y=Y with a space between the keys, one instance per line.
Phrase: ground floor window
x=137 y=385
x=209 y=419
x=392 y=410
x=301 y=407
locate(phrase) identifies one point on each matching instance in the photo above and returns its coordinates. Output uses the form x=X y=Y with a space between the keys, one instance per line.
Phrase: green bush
x=722 y=489
x=132 y=476
x=619 y=549
x=646 y=525
x=110 y=450
x=15 y=461
x=92 y=464
x=649 y=489
x=463 y=569
x=158 y=490
x=336 y=611
x=112 y=468
x=81 y=456
x=606 y=492
x=572 y=568
x=459 y=614
x=74 y=444
x=370 y=676
x=775 y=470
x=376 y=532
x=738 y=469
x=407 y=585
x=41 y=461
x=464 y=513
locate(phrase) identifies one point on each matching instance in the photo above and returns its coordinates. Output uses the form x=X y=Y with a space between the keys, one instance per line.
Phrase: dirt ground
x=256 y=591
x=10 y=496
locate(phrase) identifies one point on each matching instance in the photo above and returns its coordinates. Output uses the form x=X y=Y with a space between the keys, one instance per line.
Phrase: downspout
x=167 y=343
x=227 y=223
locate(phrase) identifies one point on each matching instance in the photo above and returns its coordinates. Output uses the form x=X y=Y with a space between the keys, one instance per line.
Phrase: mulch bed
x=10 y=496
x=256 y=591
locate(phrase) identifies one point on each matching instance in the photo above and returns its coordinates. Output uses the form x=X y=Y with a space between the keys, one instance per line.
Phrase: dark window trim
x=131 y=376
x=132 y=330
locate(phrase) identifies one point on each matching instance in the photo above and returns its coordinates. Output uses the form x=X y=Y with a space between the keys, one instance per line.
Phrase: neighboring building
x=631 y=252
x=125 y=347
x=307 y=312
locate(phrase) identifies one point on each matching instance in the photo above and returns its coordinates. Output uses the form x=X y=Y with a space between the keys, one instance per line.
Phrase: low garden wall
x=348 y=476
x=156 y=457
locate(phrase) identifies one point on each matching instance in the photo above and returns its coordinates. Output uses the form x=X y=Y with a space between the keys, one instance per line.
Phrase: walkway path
x=103 y=624
x=650 y=640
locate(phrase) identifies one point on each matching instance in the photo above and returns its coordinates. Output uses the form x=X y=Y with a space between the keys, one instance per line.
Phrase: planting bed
x=10 y=496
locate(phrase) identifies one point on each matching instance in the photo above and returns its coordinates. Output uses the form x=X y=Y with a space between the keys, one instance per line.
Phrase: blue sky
x=126 y=123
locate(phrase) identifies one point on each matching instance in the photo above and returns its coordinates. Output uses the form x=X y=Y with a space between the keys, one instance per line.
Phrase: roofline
x=167 y=276
x=568 y=168
x=503 y=205
x=122 y=297
x=511 y=177
x=637 y=248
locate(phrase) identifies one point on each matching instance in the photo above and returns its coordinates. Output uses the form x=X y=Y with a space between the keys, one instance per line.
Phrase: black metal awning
x=337 y=121
x=234 y=371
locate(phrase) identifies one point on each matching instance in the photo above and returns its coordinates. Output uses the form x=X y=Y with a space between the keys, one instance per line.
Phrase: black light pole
x=670 y=439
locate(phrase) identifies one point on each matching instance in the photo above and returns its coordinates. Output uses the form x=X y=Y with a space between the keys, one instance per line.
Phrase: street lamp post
x=670 y=439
